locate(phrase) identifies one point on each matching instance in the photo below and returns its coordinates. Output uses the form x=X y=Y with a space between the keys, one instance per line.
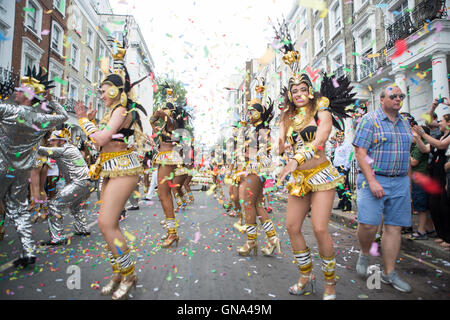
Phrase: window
x=57 y=38
x=338 y=66
x=33 y=16
x=335 y=20
x=303 y=20
x=400 y=10
x=75 y=55
x=31 y=54
x=358 y=4
x=4 y=32
x=101 y=51
x=73 y=91
x=304 y=55
x=99 y=76
x=294 y=33
x=90 y=38
x=75 y=21
x=99 y=109
x=60 y=5
x=366 y=39
x=87 y=97
x=57 y=89
x=319 y=38
x=88 y=71
x=30 y=62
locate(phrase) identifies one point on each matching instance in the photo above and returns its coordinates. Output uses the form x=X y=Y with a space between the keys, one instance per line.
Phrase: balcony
x=422 y=14
x=371 y=63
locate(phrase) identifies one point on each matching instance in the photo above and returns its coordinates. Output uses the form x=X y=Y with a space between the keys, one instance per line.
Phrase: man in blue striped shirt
x=382 y=147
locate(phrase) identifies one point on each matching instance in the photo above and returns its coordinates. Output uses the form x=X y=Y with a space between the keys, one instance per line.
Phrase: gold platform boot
x=251 y=244
x=273 y=242
x=172 y=235
x=238 y=225
x=129 y=276
x=116 y=277
x=328 y=269
x=304 y=263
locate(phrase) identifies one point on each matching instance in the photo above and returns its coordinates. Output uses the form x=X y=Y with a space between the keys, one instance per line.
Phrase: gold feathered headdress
x=35 y=83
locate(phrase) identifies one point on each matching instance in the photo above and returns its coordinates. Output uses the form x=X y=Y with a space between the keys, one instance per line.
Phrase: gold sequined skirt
x=180 y=171
x=324 y=177
x=168 y=158
x=234 y=177
x=116 y=164
x=262 y=166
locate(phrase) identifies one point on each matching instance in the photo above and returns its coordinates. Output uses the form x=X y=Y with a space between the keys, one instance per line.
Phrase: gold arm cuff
x=88 y=127
x=300 y=158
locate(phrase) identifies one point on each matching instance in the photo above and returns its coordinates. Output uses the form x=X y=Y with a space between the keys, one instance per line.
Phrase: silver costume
x=74 y=169
x=21 y=130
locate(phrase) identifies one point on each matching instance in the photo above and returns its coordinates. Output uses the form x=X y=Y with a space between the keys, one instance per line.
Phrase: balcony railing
x=424 y=12
x=371 y=63
x=69 y=105
x=8 y=81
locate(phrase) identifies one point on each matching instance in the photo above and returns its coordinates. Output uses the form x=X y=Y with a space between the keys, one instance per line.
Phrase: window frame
x=75 y=84
x=303 y=22
x=55 y=6
x=89 y=97
x=362 y=47
x=33 y=59
x=332 y=19
x=358 y=4
x=90 y=42
x=61 y=38
x=304 y=51
x=318 y=49
x=31 y=49
x=76 y=66
x=38 y=21
x=88 y=69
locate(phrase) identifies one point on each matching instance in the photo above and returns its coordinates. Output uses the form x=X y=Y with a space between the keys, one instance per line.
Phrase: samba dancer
x=168 y=160
x=251 y=178
x=306 y=123
x=118 y=165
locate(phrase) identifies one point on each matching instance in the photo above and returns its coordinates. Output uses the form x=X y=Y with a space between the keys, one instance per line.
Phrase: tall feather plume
x=342 y=100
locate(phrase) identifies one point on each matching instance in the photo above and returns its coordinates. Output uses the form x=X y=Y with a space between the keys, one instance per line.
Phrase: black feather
x=341 y=97
x=137 y=82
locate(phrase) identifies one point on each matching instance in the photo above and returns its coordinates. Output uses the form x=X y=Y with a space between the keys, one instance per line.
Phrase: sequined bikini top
x=300 y=130
x=309 y=133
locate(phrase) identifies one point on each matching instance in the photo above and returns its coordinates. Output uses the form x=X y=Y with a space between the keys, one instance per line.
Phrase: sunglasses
x=394 y=96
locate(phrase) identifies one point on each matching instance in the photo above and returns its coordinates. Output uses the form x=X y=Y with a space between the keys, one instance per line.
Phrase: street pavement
x=205 y=265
